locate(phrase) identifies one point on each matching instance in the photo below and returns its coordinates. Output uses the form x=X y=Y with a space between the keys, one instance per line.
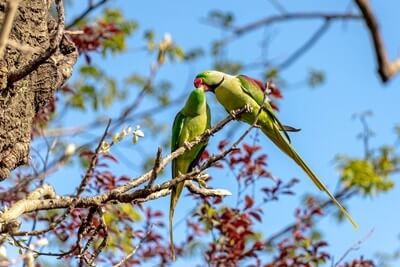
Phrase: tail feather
x=176 y=192
x=280 y=141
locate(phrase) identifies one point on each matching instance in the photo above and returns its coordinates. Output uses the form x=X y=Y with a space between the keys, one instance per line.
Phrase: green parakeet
x=192 y=121
x=234 y=92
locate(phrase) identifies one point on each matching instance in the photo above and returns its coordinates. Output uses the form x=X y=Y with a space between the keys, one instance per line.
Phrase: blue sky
x=324 y=114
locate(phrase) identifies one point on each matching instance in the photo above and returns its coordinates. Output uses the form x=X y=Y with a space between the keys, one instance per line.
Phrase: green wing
x=203 y=145
x=177 y=126
x=255 y=89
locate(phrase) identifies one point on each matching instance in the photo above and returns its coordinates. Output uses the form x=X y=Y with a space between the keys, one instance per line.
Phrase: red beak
x=198 y=82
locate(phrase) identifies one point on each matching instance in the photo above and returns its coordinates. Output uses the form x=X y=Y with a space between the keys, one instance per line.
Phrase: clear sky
x=324 y=114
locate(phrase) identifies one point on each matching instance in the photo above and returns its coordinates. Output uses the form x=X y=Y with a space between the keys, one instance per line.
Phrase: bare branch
x=93 y=162
x=135 y=249
x=207 y=191
x=343 y=194
x=354 y=247
x=155 y=167
x=386 y=69
x=9 y=216
x=121 y=193
x=23 y=71
x=12 y=8
x=291 y=16
x=91 y=7
x=306 y=46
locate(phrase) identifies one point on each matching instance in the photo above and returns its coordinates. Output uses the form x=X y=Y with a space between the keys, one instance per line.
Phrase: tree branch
x=12 y=8
x=8 y=217
x=207 y=191
x=91 y=7
x=34 y=203
x=343 y=194
x=386 y=69
x=23 y=71
x=306 y=46
x=292 y=16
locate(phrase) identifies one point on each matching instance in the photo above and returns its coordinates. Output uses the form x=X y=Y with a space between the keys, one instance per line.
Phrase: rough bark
x=20 y=98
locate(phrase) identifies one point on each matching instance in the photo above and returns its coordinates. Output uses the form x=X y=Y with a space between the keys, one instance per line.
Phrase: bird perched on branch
x=190 y=122
x=234 y=92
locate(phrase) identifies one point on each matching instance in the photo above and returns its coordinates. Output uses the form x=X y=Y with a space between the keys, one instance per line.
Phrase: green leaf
x=316 y=78
x=90 y=70
x=362 y=174
x=149 y=36
x=223 y=19
x=77 y=101
x=194 y=54
x=130 y=211
x=272 y=73
x=229 y=67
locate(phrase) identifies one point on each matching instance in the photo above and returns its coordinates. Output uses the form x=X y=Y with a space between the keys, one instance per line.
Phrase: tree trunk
x=22 y=95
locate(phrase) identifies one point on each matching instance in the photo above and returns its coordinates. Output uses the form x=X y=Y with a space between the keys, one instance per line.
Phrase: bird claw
x=208 y=132
x=187 y=145
x=248 y=108
x=233 y=114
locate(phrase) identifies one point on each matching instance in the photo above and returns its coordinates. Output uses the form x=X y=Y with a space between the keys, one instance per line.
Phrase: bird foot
x=233 y=114
x=248 y=108
x=208 y=132
x=187 y=145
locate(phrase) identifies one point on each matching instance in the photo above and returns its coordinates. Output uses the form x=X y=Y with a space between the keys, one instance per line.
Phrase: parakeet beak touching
x=198 y=83
x=209 y=81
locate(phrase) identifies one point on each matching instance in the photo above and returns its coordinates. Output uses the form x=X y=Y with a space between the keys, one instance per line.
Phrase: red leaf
x=249 y=201
x=251 y=149
x=205 y=155
x=157 y=213
x=110 y=157
x=222 y=144
x=217 y=200
x=255 y=215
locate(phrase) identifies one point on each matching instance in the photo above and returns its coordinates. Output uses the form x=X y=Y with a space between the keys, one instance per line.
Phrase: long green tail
x=175 y=194
x=281 y=142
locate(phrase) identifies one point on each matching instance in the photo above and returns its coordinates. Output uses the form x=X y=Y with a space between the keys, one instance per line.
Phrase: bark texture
x=33 y=27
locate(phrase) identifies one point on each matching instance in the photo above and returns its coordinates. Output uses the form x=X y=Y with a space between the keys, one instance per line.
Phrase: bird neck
x=196 y=103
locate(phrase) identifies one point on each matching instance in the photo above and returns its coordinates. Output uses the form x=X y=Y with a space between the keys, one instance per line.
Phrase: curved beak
x=198 y=82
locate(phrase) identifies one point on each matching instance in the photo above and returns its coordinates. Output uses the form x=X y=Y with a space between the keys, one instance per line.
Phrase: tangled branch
x=45 y=198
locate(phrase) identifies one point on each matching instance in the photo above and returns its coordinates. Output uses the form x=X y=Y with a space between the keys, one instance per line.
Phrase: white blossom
x=69 y=150
x=104 y=147
x=137 y=134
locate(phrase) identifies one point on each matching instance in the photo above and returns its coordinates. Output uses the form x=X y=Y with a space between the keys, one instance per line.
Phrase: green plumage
x=233 y=92
x=192 y=121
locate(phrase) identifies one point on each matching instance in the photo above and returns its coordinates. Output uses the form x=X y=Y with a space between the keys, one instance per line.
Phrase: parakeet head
x=209 y=80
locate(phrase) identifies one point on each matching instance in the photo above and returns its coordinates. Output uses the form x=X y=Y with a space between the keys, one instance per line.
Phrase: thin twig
x=12 y=8
x=91 y=7
x=343 y=194
x=135 y=249
x=155 y=167
x=290 y=16
x=120 y=193
x=93 y=162
x=25 y=70
x=354 y=247
x=306 y=46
